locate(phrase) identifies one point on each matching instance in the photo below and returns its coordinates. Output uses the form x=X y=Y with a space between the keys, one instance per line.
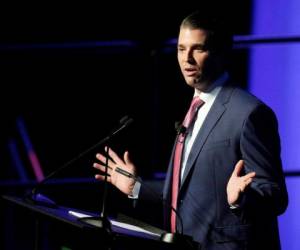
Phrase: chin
x=198 y=84
x=191 y=80
x=190 y=83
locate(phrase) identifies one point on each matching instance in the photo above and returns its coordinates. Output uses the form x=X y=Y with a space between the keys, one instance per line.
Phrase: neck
x=209 y=85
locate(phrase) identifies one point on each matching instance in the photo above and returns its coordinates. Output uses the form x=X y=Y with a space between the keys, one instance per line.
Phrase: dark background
x=71 y=94
x=71 y=91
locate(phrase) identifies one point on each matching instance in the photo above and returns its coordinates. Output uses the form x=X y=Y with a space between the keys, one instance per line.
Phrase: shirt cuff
x=135 y=191
x=234 y=206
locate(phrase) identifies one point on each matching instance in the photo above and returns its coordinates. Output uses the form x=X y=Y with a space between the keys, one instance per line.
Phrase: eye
x=200 y=48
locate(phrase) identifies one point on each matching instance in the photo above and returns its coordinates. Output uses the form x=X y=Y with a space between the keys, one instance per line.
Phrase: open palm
x=123 y=183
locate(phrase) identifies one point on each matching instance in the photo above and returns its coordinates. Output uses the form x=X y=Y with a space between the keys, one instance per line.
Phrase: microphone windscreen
x=123 y=119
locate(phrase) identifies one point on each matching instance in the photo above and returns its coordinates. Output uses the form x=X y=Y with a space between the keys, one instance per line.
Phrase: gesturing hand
x=123 y=183
x=237 y=184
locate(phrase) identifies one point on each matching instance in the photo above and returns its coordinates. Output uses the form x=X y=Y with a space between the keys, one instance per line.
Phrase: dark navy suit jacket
x=238 y=126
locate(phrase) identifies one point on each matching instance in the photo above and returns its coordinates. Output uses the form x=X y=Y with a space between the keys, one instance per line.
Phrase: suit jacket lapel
x=211 y=120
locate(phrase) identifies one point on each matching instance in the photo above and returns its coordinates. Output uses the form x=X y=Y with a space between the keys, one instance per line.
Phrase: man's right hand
x=123 y=183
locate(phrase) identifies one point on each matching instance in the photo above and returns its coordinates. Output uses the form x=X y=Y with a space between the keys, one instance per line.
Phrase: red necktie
x=188 y=122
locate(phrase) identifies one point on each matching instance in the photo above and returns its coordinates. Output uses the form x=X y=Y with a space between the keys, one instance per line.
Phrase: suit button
x=181 y=201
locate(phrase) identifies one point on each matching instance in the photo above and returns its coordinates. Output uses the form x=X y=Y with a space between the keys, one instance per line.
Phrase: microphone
x=181 y=239
x=180 y=129
x=40 y=199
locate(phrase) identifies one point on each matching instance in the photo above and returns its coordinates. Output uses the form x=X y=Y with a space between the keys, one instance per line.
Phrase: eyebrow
x=197 y=46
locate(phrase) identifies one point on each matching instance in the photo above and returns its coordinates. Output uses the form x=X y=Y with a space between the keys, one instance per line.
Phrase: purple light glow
x=274 y=76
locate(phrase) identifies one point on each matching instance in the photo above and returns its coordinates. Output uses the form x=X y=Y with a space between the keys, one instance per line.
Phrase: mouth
x=190 y=72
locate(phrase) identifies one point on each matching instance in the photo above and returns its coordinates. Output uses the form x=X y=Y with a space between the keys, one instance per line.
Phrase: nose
x=189 y=57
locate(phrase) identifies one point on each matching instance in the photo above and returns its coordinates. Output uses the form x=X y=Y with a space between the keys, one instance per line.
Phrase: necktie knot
x=190 y=116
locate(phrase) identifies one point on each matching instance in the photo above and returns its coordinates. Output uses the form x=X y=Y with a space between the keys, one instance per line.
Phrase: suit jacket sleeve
x=260 y=148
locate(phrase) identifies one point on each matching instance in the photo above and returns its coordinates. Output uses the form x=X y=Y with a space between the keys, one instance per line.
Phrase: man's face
x=196 y=62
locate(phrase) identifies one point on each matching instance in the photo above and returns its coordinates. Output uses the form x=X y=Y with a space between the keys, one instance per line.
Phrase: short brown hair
x=219 y=31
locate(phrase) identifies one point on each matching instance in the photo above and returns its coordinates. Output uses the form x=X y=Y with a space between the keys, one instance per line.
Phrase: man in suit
x=229 y=187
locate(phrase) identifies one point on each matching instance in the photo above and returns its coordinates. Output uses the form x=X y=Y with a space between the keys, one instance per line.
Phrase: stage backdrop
x=274 y=75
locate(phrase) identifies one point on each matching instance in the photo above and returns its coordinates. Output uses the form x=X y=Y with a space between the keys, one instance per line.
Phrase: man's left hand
x=237 y=183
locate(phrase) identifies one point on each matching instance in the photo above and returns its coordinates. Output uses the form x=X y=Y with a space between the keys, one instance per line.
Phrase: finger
x=115 y=157
x=245 y=184
x=126 y=158
x=250 y=175
x=238 y=167
x=102 y=177
x=248 y=181
x=102 y=168
x=242 y=188
x=103 y=159
x=247 y=176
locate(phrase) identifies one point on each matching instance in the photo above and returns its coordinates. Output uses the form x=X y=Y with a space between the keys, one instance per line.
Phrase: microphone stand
x=37 y=198
x=102 y=221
